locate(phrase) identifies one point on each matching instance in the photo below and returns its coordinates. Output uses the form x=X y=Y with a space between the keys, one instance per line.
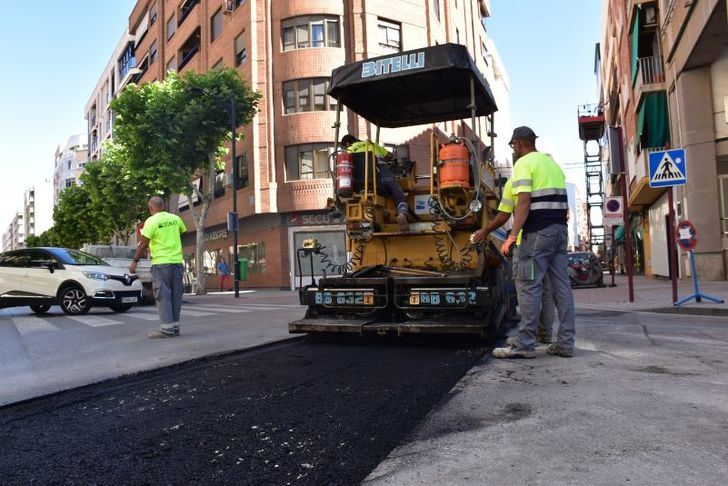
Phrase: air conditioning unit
x=650 y=16
x=228 y=6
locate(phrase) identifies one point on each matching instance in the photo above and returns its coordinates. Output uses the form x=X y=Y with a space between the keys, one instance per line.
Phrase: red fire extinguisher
x=344 y=174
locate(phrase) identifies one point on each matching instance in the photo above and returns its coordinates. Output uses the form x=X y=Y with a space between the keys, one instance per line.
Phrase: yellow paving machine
x=429 y=277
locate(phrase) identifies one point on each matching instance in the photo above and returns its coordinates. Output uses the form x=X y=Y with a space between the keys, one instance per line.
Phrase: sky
x=52 y=57
x=548 y=50
x=51 y=61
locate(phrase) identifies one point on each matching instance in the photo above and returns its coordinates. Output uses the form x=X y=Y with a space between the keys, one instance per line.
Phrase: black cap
x=523 y=133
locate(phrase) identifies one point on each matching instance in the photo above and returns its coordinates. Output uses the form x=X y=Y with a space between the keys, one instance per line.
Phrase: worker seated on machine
x=385 y=179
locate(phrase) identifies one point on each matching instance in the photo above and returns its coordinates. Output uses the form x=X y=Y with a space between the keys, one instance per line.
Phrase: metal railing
x=650 y=70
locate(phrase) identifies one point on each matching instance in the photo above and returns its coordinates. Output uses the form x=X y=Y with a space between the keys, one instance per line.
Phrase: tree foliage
x=75 y=221
x=171 y=132
x=117 y=194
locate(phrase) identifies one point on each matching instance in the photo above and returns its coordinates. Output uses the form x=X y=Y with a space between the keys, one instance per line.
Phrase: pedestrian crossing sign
x=667 y=168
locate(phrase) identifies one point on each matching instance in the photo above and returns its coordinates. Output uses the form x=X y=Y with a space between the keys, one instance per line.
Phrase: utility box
x=243 y=265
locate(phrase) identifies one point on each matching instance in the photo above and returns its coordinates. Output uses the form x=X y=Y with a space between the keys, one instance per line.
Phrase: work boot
x=402 y=221
x=162 y=334
x=555 y=350
x=511 y=351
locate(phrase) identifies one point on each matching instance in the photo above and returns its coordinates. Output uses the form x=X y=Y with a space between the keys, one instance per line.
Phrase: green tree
x=75 y=221
x=172 y=131
x=117 y=194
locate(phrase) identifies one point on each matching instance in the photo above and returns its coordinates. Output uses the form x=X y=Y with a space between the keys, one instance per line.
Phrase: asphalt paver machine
x=429 y=277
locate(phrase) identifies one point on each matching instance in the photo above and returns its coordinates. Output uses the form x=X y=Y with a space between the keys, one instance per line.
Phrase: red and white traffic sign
x=686 y=235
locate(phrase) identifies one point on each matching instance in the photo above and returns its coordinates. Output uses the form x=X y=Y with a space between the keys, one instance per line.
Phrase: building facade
x=286 y=51
x=38 y=208
x=664 y=81
x=14 y=235
x=70 y=160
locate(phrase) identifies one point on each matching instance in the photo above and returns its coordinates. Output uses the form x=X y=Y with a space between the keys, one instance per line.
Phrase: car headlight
x=96 y=275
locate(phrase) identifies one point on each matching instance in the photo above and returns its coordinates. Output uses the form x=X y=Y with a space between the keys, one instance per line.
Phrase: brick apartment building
x=664 y=80
x=286 y=50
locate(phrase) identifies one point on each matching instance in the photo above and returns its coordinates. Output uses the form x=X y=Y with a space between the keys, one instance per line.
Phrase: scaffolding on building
x=591 y=132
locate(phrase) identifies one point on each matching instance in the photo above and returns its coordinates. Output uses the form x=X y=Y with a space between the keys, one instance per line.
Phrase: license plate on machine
x=129 y=300
x=345 y=297
x=427 y=297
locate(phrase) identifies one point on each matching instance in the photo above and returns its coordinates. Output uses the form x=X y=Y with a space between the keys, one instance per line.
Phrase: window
x=189 y=49
x=220 y=180
x=216 y=25
x=171 y=26
x=307 y=95
x=239 y=3
x=153 y=14
x=219 y=65
x=242 y=165
x=390 y=35
x=308 y=161
x=172 y=65
x=69 y=182
x=310 y=31
x=436 y=6
x=69 y=165
x=484 y=52
x=126 y=61
x=185 y=9
x=255 y=253
x=15 y=260
x=153 y=52
x=240 y=54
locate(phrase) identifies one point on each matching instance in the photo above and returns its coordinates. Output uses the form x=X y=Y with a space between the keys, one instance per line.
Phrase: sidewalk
x=642 y=402
x=651 y=294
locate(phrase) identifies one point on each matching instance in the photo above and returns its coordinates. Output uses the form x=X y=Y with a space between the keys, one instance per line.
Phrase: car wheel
x=74 y=300
x=120 y=307
x=40 y=309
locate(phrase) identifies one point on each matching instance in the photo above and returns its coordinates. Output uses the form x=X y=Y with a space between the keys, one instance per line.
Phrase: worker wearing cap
x=541 y=212
x=385 y=178
x=507 y=204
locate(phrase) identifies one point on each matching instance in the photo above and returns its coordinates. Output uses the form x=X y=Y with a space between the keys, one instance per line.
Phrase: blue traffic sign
x=667 y=168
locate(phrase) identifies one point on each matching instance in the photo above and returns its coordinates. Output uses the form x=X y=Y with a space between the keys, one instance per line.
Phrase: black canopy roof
x=413 y=87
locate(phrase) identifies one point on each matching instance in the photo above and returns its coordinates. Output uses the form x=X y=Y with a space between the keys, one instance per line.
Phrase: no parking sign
x=687 y=235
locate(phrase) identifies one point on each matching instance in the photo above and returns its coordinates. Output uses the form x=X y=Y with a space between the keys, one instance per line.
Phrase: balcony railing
x=188 y=55
x=650 y=70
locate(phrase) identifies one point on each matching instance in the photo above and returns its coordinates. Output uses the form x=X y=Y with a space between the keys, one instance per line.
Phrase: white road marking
x=29 y=325
x=184 y=312
x=217 y=308
x=94 y=321
x=145 y=317
x=245 y=308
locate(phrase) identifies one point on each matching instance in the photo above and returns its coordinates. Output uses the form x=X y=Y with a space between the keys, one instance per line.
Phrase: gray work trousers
x=543 y=253
x=546 y=317
x=168 y=290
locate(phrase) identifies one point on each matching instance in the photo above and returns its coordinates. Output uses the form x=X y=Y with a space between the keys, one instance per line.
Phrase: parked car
x=122 y=256
x=42 y=277
x=585 y=269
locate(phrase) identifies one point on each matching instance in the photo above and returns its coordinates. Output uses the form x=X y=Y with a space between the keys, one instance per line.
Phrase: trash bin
x=243 y=269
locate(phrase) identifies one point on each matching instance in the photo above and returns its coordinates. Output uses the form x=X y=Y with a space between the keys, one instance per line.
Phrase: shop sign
x=216 y=235
x=313 y=219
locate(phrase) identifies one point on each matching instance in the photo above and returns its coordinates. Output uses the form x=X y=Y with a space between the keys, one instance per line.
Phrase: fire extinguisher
x=344 y=174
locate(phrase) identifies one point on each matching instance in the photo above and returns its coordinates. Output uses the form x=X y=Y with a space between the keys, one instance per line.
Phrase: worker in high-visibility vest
x=544 y=332
x=385 y=178
x=542 y=214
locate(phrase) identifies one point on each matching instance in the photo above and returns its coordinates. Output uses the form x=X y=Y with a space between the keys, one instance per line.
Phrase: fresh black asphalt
x=301 y=412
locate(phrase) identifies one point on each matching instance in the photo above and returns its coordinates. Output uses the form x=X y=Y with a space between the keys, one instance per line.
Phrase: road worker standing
x=541 y=212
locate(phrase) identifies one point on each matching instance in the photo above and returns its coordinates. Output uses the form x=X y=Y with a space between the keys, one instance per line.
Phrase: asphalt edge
x=136 y=375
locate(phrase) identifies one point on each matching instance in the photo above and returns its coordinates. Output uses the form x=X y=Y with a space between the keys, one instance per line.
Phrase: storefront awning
x=635 y=42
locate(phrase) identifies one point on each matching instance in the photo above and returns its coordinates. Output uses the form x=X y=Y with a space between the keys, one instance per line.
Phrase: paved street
x=40 y=355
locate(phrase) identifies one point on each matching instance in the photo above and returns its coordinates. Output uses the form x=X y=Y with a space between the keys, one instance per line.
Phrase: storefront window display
x=255 y=253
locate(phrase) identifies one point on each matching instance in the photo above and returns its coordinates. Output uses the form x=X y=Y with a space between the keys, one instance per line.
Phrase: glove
x=508 y=245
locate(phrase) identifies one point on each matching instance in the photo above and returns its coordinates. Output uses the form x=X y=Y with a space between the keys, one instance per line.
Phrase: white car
x=42 y=277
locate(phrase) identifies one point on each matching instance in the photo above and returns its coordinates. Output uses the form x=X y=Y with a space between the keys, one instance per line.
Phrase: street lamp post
x=234 y=183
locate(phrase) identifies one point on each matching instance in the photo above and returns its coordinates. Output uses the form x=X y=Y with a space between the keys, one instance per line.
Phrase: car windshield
x=75 y=257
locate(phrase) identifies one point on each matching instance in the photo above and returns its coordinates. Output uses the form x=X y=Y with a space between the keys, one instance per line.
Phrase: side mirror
x=51 y=266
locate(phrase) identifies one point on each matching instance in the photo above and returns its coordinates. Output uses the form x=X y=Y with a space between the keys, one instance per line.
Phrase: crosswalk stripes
x=236 y=308
x=29 y=325
x=142 y=316
x=183 y=312
x=226 y=309
x=94 y=321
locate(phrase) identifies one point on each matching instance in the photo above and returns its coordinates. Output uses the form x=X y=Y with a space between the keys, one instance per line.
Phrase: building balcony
x=650 y=76
x=641 y=195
